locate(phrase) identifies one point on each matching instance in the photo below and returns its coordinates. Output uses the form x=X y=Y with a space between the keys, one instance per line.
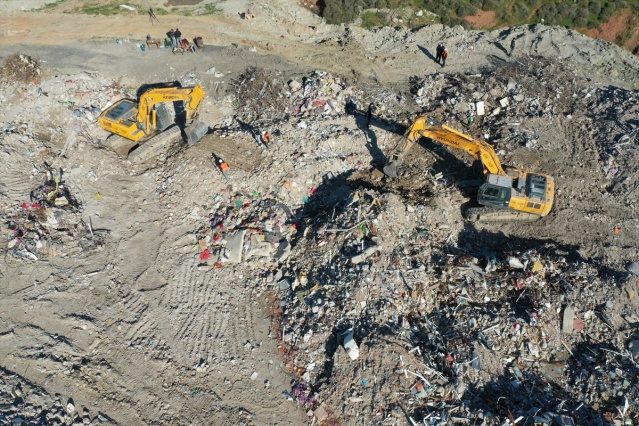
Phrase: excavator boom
x=191 y=96
x=504 y=195
x=427 y=127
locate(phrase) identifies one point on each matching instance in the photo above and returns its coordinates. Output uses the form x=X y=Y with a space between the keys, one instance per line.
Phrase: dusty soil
x=137 y=328
x=621 y=28
x=482 y=19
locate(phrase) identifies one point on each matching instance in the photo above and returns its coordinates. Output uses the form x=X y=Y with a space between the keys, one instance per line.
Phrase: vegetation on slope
x=579 y=14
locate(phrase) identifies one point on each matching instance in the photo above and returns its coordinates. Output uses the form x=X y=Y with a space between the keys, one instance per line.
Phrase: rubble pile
x=20 y=68
x=620 y=136
x=388 y=305
x=318 y=94
x=245 y=227
x=424 y=330
x=50 y=224
x=502 y=97
x=22 y=402
x=383 y=315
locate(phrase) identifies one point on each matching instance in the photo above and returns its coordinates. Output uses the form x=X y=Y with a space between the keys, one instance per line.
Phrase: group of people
x=176 y=39
x=175 y=36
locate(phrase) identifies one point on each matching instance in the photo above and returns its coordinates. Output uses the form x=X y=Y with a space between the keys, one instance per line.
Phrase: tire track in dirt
x=219 y=331
x=16 y=184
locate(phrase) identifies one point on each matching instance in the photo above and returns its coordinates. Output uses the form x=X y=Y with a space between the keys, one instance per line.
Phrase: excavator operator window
x=491 y=192
x=120 y=110
x=494 y=196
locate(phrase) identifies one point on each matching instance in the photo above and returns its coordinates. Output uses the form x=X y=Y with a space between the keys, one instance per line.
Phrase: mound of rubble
x=22 y=402
x=384 y=322
x=384 y=314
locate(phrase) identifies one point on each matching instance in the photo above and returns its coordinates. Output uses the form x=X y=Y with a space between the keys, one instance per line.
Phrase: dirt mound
x=20 y=68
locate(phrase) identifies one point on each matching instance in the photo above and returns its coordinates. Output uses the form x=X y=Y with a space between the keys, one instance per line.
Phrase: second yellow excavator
x=504 y=194
x=141 y=128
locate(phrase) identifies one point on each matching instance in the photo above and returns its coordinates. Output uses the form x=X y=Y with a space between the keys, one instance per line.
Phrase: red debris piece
x=205 y=254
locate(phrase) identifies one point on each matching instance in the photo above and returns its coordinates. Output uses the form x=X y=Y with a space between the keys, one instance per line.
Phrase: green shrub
x=582 y=18
x=465 y=9
x=520 y=11
x=595 y=7
x=372 y=20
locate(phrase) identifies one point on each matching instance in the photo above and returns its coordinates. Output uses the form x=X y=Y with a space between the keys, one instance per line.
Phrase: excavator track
x=488 y=214
x=150 y=149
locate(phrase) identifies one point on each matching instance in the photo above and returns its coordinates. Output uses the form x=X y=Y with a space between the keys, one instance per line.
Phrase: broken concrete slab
x=363 y=255
x=260 y=250
x=568 y=320
x=234 y=247
x=283 y=251
x=350 y=345
x=479 y=107
x=320 y=414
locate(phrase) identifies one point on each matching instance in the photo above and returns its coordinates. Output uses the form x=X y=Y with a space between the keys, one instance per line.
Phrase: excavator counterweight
x=509 y=194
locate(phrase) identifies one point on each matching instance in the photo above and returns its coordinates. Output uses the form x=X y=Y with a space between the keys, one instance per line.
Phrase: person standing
x=439 y=51
x=471 y=119
x=178 y=37
x=512 y=47
x=371 y=110
x=444 y=56
x=171 y=35
x=224 y=167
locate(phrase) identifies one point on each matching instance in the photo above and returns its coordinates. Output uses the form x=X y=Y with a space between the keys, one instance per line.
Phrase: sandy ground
x=95 y=325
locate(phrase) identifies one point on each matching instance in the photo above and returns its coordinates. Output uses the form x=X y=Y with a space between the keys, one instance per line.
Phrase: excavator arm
x=428 y=127
x=192 y=97
x=512 y=195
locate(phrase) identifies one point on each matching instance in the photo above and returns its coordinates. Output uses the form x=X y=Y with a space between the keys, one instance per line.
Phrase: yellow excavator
x=144 y=127
x=504 y=194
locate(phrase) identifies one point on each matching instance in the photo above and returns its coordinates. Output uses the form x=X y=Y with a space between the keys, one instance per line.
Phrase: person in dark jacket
x=171 y=35
x=178 y=37
x=371 y=110
x=440 y=50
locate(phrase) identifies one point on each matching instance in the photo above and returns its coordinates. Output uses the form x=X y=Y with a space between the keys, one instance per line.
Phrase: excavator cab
x=496 y=191
x=516 y=196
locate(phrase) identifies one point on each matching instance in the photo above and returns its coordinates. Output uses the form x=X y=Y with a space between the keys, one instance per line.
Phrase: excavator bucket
x=390 y=170
x=195 y=132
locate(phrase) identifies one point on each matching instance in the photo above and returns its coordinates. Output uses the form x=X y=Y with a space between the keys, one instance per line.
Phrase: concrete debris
x=235 y=246
x=350 y=345
x=23 y=403
x=569 y=319
x=318 y=94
